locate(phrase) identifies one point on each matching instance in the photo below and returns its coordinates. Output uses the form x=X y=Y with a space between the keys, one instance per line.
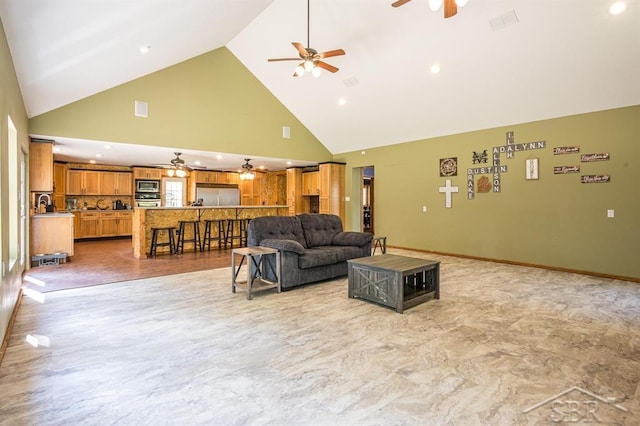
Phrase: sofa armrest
x=351 y=238
x=286 y=245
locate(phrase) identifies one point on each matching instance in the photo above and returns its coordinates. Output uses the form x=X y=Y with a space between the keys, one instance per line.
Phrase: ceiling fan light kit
x=247 y=172
x=178 y=167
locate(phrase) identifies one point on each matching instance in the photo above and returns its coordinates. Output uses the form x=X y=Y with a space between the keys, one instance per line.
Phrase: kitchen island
x=145 y=218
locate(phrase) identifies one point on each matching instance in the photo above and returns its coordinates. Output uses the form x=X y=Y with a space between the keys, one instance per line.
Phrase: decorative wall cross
x=509 y=149
x=448 y=190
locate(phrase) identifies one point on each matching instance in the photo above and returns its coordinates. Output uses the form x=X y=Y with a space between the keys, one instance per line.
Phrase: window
x=173 y=192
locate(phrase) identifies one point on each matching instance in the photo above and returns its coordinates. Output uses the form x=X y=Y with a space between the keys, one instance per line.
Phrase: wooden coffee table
x=399 y=282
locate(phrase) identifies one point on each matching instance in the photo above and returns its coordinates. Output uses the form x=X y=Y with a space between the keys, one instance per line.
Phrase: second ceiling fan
x=312 y=61
x=450 y=6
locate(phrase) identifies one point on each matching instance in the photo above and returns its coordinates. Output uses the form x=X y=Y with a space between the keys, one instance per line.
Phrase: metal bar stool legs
x=236 y=231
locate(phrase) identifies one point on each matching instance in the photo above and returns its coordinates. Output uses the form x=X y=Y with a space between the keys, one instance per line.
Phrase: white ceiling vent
x=141 y=109
x=504 y=20
x=351 y=82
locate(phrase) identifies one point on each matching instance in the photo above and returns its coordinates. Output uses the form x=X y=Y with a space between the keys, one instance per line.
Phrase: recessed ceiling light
x=92 y=161
x=342 y=101
x=57 y=149
x=218 y=157
x=197 y=163
x=288 y=163
x=617 y=8
x=435 y=69
x=107 y=147
x=144 y=49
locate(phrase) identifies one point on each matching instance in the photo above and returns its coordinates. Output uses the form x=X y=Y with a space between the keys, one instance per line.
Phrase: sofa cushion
x=319 y=229
x=343 y=253
x=358 y=239
x=315 y=256
x=285 y=245
x=275 y=228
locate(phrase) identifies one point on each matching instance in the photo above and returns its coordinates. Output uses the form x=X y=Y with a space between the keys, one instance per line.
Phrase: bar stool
x=155 y=244
x=236 y=230
x=209 y=235
x=197 y=243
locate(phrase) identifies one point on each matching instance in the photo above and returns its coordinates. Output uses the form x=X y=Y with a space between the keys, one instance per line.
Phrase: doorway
x=368 y=178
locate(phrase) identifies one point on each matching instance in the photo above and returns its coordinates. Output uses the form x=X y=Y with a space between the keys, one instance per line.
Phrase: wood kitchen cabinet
x=89 y=225
x=231 y=178
x=52 y=233
x=310 y=184
x=332 y=189
x=41 y=166
x=97 y=224
x=203 y=176
x=116 y=183
x=147 y=173
x=59 y=185
x=83 y=182
x=251 y=191
x=294 y=191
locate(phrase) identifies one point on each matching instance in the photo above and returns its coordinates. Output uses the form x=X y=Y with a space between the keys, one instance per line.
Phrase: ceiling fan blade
x=283 y=59
x=450 y=8
x=326 y=66
x=303 y=52
x=330 y=53
x=400 y=3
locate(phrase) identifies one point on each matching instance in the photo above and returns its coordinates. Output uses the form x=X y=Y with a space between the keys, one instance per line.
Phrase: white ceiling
x=562 y=57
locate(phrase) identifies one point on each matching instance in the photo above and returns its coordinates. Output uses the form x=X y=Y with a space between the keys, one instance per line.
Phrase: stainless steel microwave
x=147 y=186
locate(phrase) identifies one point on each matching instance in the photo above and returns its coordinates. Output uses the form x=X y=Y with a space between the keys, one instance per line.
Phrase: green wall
x=211 y=102
x=555 y=221
x=11 y=104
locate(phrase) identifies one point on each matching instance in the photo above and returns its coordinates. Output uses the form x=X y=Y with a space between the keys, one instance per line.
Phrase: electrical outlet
x=609 y=213
x=424 y=209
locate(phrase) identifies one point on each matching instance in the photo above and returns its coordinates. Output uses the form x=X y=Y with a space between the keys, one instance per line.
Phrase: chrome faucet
x=41 y=200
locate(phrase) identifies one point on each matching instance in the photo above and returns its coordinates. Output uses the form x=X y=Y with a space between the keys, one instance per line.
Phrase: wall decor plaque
x=481 y=157
x=449 y=166
x=484 y=184
x=531 y=169
x=565 y=150
x=561 y=170
x=586 y=158
x=596 y=178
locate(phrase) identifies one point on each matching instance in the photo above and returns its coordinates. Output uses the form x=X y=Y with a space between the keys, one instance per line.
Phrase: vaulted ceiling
x=501 y=62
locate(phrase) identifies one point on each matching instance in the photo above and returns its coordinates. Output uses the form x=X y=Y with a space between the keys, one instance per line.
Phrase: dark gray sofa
x=313 y=247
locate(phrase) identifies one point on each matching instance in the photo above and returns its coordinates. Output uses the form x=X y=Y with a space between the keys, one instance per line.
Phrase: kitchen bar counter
x=145 y=218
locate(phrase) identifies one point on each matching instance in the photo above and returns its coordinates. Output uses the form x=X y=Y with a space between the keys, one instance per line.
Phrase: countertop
x=54 y=214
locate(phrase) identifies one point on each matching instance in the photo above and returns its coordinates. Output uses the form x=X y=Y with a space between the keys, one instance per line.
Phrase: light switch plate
x=609 y=213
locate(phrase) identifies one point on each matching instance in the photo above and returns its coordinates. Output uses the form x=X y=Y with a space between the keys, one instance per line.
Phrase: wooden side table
x=379 y=242
x=255 y=270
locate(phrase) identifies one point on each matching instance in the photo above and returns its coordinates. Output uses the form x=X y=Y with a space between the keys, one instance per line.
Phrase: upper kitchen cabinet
x=116 y=183
x=147 y=173
x=203 y=176
x=59 y=185
x=41 y=166
x=83 y=182
x=228 y=178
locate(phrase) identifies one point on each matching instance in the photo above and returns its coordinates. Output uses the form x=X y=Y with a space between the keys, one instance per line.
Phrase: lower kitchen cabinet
x=52 y=233
x=104 y=224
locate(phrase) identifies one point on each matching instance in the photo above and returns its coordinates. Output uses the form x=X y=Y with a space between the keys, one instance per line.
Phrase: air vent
x=351 y=82
x=504 y=20
x=141 y=109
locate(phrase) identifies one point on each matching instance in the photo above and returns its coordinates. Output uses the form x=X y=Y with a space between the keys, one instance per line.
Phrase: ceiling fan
x=178 y=166
x=311 y=59
x=450 y=6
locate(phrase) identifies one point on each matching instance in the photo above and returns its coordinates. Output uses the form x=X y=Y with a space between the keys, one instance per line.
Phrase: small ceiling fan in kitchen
x=312 y=60
x=178 y=167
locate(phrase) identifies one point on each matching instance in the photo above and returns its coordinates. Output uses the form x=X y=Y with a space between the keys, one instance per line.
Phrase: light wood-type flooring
x=111 y=260
x=504 y=345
